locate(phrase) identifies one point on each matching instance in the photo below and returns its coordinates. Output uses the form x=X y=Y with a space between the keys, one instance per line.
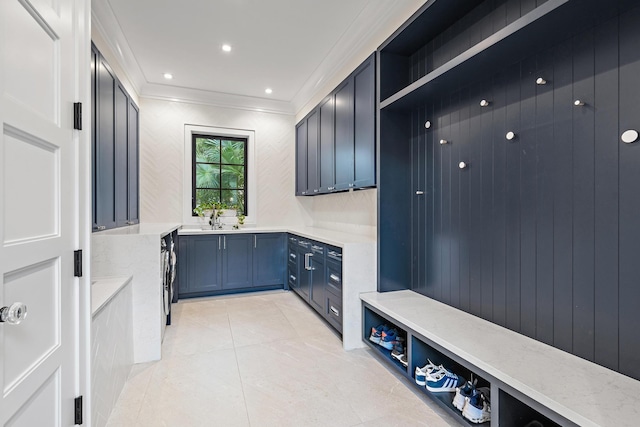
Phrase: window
x=219 y=171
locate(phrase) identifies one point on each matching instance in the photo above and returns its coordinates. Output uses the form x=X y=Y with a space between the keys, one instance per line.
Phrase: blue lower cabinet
x=237 y=261
x=268 y=259
x=226 y=263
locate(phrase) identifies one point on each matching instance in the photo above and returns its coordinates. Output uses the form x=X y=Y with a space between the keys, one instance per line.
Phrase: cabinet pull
x=315 y=191
x=335 y=278
x=317 y=248
x=419 y=193
x=292 y=277
x=255 y=241
x=331 y=188
x=101 y=227
x=293 y=239
x=224 y=240
x=335 y=311
x=307 y=261
x=218 y=242
x=292 y=255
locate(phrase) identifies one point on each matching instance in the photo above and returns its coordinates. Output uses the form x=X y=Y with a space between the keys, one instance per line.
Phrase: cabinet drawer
x=292 y=256
x=333 y=312
x=334 y=278
x=334 y=254
x=292 y=277
x=317 y=249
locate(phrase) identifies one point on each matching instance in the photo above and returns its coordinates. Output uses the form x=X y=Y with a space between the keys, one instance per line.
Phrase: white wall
x=162 y=159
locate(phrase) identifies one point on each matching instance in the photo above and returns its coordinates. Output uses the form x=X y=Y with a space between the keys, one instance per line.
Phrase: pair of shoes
x=399 y=354
x=478 y=407
x=385 y=336
x=421 y=373
x=474 y=403
x=442 y=380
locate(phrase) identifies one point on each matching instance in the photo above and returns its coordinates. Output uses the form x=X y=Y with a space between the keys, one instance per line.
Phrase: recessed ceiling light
x=168 y=76
x=268 y=91
x=226 y=48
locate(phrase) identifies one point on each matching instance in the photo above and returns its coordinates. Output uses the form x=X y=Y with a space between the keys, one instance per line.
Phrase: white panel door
x=39 y=211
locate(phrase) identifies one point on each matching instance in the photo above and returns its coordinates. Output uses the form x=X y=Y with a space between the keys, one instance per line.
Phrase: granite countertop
x=160 y=229
x=103 y=289
x=331 y=237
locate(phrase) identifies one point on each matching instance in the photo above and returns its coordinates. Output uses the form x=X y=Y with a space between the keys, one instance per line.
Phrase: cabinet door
x=301 y=159
x=268 y=259
x=203 y=259
x=121 y=195
x=304 y=269
x=132 y=165
x=344 y=135
x=365 y=124
x=327 y=146
x=317 y=288
x=104 y=186
x=94 y=139
x=313 y=154
x=237 y=254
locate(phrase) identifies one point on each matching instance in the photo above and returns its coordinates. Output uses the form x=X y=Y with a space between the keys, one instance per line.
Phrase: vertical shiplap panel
x=465 y=218
x=563 y=197
x=445 y=237
x=455 y=234
x=528 y=189
x=513 y=10
x=486 y=175
x=429 y=200
x=512 y=189
x=474 y=172
x=438 y=196
x=498 y=234
x=527 y=6
x=607 y=144
x=544 y=202
x=417 y=213
x=583 y=200
x=629 y=290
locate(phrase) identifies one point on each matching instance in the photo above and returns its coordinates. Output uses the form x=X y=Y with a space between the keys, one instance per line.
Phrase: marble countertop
x=160 y=229
x=331 y=237
x=103 y=289
x=581 y=391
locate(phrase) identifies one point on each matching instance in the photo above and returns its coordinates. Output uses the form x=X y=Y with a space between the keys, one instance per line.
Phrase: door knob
x=14 y=314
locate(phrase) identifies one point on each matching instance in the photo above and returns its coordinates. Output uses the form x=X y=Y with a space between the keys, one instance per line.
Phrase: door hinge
x=78 y=410
x=77 y=115
x=77 y=263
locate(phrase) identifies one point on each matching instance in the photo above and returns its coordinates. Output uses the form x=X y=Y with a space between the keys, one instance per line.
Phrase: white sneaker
x=422 y=373
x=477 y=408
x=462 y=393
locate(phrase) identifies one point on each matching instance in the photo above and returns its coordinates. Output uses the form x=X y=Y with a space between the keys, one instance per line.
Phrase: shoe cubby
x=515 y=413
x=421 y=352
x=372 y=320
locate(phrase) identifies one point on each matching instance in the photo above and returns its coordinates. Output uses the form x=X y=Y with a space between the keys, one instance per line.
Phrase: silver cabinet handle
x=293 y=239
x=224 y=241
x=331 y=188
x=14 y=314
x=255 y=241
x=292 y=255
x=419 y=193
x=101 y=227
x=335 y=278
x=335 y=311
x=335 y=254
x=317 y=248
x=307 y=261
x=130 y=222
x=351 y=185
x=219 y=242
x=292 y=277
x=315 y=191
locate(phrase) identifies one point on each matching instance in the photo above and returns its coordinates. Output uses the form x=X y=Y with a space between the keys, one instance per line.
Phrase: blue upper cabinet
x=336 y=142
x=114 y=121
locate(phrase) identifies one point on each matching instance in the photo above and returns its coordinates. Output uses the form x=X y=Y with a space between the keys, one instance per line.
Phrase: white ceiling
x=290 y=46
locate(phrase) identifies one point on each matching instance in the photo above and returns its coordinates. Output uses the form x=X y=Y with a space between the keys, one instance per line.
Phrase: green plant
x=241 y=219
x=202 y=207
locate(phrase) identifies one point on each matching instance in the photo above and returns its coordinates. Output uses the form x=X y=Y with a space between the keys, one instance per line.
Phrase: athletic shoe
x=399 y=354
x=462 y=393
x=443 y=381
x=376 y=333
x=478 y=406
x=421 y=373
x=390 y=338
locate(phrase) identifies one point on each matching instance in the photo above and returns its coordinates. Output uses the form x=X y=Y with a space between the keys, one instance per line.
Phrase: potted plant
x=204 y=210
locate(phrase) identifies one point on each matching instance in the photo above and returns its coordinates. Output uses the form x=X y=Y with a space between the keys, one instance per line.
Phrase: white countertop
x=581 y=391
x=160 y=229
x=103 y=289
x=331 y=237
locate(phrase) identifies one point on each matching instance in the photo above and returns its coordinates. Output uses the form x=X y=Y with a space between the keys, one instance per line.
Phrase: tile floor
x=264 y=360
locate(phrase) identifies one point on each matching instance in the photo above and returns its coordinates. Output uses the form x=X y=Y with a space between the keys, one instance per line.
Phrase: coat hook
x=484 y=103
x=578 y=103
x=541 y=81
x=443 y=141
x=462 y=165
x=510 y=136
x=629 y=136
x=427 y=124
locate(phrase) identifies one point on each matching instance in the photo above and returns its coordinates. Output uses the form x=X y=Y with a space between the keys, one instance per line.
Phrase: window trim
x=194 y=162
x=250 y=169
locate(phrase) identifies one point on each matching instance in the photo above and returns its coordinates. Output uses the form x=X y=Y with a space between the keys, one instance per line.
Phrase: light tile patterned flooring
x=264 y=360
